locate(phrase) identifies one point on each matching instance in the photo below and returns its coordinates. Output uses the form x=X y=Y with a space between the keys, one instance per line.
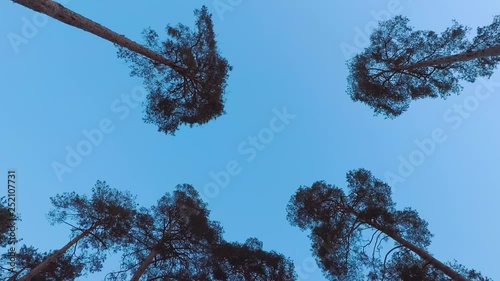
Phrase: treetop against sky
x=249 y=98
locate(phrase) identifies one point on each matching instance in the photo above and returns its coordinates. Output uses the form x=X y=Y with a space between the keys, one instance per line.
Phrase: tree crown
x=402 y=64
x=193 y=96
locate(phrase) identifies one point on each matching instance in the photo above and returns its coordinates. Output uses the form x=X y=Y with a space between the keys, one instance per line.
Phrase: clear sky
x=60 y=83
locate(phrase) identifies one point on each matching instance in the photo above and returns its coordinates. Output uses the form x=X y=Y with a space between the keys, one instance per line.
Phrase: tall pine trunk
x=59 y=12
x=44 y=264
x=144 y=265
x=417 y=250
x=466 y=56
x=428 y=257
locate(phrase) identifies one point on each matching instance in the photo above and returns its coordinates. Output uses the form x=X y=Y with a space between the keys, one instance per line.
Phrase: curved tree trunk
x=39 y=268
x=488 y=52
x=144 y=265
x=59 y=12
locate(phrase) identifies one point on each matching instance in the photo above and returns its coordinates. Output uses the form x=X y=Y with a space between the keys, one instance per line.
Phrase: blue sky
x=61 y=83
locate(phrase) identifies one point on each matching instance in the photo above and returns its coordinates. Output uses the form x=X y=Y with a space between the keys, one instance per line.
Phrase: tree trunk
x=39 y=268
x=59 y=12
x=417 y=250
x=488 y=52
x=428 y=257
x=144 y=265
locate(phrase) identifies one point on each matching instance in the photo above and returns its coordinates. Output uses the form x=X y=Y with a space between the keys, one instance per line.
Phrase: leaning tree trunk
x=59 y=12
x=144 y=265
x=466 y=56
x=417 y=250
x=428 y=257
x=44 y=264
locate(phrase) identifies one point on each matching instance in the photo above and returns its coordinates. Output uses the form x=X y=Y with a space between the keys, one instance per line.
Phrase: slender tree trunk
x=59 y=12
x=488 y=52
x=149 y=259
x=417 y=250
x=428 y=257
x=39 y=268
x=144 y=265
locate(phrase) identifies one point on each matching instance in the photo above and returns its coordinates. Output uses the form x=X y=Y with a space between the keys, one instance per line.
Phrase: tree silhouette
x=248 y=261
x=175 y=240
x=402 y=64
x=406 y=266
x=5 y=222
x=66 y=267
x=347 y=231
x=175 y=98
x=166 y=243
x=185 y=75
x=98 y=224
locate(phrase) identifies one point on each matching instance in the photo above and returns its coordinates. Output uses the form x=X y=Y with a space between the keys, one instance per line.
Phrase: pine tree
x=402 y=64
x=185 y=75
x=348 y=231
